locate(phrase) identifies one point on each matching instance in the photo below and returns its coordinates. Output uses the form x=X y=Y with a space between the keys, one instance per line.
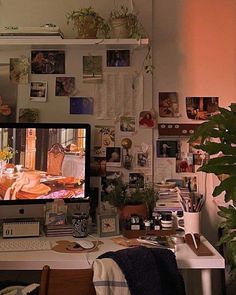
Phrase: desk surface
x=35 y=260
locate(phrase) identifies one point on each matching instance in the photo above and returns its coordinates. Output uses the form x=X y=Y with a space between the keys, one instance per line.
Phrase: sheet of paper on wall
x=120 y=93
x=165 y=169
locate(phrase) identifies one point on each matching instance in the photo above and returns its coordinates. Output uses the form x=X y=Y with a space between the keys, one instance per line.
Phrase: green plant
x=133 y=24
x=218 y=139
x=120 y=194
x=88 y=22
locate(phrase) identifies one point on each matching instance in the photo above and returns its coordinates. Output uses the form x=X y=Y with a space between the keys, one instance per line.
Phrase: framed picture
x=108 y=224
x=81 y=105
x=38 y=91
x=118 y=58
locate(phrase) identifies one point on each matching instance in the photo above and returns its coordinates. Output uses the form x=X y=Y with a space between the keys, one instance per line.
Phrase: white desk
x=35 y=260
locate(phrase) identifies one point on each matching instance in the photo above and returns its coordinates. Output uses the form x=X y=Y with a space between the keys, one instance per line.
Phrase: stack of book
x=56 y=230
x=30 y=32
x=167 y=201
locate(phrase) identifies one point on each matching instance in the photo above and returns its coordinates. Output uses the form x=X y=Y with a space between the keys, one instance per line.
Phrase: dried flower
x=6 y=153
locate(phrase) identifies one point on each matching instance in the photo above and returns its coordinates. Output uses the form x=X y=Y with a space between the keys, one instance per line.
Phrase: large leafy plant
x=218 y=139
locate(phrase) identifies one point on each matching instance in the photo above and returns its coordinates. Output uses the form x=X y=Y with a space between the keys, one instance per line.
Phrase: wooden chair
x=66 y=281
x=55 y=159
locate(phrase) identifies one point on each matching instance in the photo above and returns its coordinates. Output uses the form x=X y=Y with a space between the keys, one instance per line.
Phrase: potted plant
x=222 y=127
x=88 y=23
x=125 y=24
x=138 y=200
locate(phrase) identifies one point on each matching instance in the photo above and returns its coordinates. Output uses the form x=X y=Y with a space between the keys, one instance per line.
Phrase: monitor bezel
x=85 y=126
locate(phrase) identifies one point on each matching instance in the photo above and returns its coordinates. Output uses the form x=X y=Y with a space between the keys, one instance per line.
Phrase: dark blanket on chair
x=149 y=271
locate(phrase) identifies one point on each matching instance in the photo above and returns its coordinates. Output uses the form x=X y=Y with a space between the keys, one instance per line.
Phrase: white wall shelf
x=42 y=42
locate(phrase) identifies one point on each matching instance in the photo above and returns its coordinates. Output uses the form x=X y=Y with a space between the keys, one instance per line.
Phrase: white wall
x=194 y=45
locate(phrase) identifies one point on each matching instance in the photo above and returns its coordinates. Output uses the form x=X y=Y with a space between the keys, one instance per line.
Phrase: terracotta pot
x=129 y=210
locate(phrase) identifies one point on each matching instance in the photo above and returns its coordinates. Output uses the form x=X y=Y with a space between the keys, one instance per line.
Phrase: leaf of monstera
x=222 y=160
x=213 y=148
x=219 y=169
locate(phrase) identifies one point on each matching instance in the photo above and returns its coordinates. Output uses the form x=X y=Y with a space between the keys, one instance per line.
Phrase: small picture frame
x=108 y=224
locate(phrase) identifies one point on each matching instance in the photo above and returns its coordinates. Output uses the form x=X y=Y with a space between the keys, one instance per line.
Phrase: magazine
x=158 y=241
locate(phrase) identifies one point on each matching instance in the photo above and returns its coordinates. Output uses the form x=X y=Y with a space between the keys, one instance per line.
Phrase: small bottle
x=157 y=223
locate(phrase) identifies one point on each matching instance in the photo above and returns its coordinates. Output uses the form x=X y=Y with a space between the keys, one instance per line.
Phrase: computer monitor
x=50 y=161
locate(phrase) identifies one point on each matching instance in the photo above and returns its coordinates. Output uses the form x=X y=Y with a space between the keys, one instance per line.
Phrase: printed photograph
x=98 y=166
x=142 y=160
x=65 y=86
x=113 y=156
x=147 y=119
x=19 y=70
x=201 y=108
x=185 y=163
x=168 y=104
x=127 y=124
x=118 y=58
x=28 y=115
x=190 y=182
x=104 y=136
x=92 y=69
x=167 y=148
x=81 y=105
x=47 y=62
x=136 y=180
x=38 y=91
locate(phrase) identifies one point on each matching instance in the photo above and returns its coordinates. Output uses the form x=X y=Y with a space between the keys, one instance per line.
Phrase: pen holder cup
x=191 y=221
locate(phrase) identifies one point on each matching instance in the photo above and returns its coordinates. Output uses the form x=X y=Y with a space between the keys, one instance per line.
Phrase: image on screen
x=41 y=162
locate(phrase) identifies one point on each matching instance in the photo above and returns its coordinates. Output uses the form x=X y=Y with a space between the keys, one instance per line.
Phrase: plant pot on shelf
x=119 y=28
x=86 y=29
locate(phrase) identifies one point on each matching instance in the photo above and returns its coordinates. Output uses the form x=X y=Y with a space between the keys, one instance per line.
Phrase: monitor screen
x=44 y=162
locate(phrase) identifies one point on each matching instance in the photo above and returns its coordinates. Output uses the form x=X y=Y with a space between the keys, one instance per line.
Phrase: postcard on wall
x=81 y=105
x=136 y=180
x=185 y=163
x=118 y=58
x=19 y=70
x=113 y=156
x=28 y=115
x=65 y=86
x=167 y=148
x=104 y=136
x=98 y=166
x=48 y=62
x=147 y=119
x=201 y=108
x=168 y=104
x=92 y=69
x=38 y=91
x=127 y=124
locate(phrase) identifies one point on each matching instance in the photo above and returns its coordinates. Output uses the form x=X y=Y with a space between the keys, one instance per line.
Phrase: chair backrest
x=55 y=159
x=66 y=281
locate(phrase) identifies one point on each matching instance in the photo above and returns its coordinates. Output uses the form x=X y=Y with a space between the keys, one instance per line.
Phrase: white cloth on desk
x=108 y=278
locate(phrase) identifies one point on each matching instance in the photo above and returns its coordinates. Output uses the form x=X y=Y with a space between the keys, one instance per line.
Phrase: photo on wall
x=92 y=69
x=38 y=91
x=65 y=86
x=113 y=156
x=147 y=119
x=28 y=115
x=167 y=148
x=127 y=124
x=201 y=108
x=19 y=70
x=184 y=163
x=118 y=58
x=168 y=104
x=136 y=180
x=47 y=62
x=81 y=105
x=104 y=136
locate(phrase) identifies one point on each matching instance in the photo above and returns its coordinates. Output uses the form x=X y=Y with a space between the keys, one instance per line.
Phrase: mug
x=191 y=222
x=79 y=225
